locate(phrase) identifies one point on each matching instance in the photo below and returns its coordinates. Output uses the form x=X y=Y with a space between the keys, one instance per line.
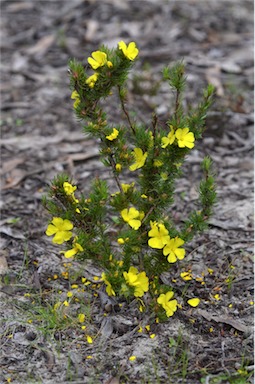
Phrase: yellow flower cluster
x=160 y=239
x=183 y=136
x=99 y=59
x=91 y=80
x=69 y=190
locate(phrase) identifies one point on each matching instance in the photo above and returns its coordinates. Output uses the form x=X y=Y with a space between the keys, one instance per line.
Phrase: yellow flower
x=89 y=339
x=113 y=135
x=109 y=289
x=125 y=187
x=61 y=229
x=91 y=80
x=186 y=276
x=118 y=167
x=185 y=138
x=69 y=294
x=170 y=306
x=193 y=302
x=129 y=51
x=140 y=158
x=158 y=163
x=75 y=96
x=159 y=235
x=173 y=251
x=72 y=252
x=132 y=358
x=164 y=176
x=98 y=59
x=169 y=139
x=56 y=306
x=69 y=188
x=138 y=280
x=132 y=216
x=81 y=317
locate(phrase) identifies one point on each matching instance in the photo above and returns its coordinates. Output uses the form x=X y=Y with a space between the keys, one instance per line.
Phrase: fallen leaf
x=3 y=263
x=92 y=27
x=42 y=45
x=113 y=380
x=224 y=319
x=213 y=76
x=11 y=232
x=9 y=165
x=20 y=6
x=14 y=178
x=106 y=329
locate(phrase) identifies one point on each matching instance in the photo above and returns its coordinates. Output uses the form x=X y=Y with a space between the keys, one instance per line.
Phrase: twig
x=126 y=112
x=113 y=164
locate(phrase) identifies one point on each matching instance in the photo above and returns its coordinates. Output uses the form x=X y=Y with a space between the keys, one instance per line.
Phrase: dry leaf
x=213 y=76
x=113 y=380
x=9 y=165
x=42 y=45
x=92 y=27
x=106 y=329
x=14 y=178
x=224 y=319
x=3 y=263
x=14 y=233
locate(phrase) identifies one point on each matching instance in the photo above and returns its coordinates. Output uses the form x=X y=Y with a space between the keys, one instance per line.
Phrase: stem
x=177 y=106
x=113 y=164
x=154 y=131
x=126 y=112
x=149 y=212
x=141 y=263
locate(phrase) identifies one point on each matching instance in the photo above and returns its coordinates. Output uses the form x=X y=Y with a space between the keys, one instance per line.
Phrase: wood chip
x=224 y=319
x=3 y=263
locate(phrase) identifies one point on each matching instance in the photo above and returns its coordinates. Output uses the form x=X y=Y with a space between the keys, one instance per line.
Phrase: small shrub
x=148 y=241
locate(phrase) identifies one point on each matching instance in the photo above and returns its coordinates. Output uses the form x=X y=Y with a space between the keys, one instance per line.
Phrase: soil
x=212 y=343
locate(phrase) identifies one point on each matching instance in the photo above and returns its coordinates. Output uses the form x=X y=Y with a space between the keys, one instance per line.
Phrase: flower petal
x=194 y=302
